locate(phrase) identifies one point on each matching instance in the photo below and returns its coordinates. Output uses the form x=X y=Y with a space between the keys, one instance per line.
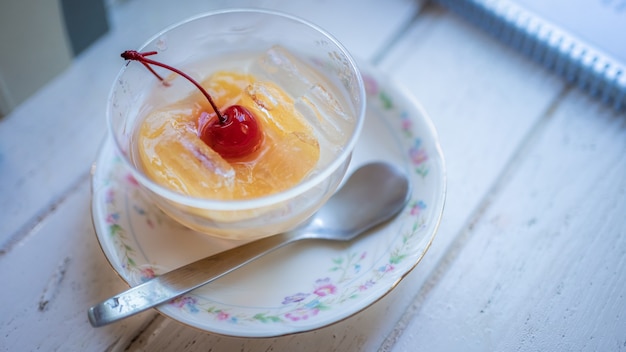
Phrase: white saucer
x=301 y=287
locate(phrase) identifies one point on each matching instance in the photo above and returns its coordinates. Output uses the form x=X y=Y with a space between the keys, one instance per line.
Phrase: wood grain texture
x=539 y=265
x=485 y=101
x=54 y=274
x=529 y=255
x=544 y=266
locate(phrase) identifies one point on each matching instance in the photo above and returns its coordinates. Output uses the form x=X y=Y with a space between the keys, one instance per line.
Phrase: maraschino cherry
x=234 y=133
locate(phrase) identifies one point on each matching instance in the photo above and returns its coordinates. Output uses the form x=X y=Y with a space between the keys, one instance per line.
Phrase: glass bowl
x=308 y=64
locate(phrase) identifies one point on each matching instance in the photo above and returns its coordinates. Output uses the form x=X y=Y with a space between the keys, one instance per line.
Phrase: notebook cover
x=583 y=41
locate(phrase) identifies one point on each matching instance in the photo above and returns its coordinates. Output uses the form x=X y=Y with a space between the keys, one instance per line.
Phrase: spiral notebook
x=584 y=41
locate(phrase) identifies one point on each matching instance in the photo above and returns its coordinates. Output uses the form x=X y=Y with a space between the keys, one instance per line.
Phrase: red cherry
x=239 y=135
x=233 y=134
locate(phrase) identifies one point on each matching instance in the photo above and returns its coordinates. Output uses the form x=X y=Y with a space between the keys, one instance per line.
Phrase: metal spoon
x=373 y=194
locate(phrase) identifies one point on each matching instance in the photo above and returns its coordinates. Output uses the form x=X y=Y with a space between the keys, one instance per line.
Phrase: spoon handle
x=182 y=280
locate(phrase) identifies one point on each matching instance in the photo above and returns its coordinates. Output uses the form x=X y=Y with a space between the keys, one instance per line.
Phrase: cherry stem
x=141 y=57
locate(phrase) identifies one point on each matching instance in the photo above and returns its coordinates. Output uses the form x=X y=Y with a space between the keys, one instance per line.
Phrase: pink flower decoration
x=386 y=268
x=418 y=156
x=406 y=124
x=325 y=290
x=180 y=302
x=301 y=314
x=147 y=273
x=366 y=285
x=112 y=218
x=131 y=180
x=371 y=86
x=110 y=196
x=417 y=207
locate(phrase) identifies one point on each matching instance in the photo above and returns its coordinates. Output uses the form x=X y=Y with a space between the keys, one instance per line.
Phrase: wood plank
x=485 y=101
x=483 y=98
x=543 y=267
x=50 y=280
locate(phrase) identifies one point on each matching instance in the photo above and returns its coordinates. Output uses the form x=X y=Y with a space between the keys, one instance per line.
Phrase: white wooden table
x=530 y=254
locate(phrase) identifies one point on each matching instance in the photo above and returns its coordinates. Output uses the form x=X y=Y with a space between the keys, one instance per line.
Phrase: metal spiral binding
x=577 y=62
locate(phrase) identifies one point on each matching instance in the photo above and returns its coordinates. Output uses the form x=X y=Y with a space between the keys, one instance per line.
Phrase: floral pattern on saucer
x=344 y=282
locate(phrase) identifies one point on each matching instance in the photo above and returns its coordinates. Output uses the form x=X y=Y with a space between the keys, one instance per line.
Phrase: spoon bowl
x=373 y=194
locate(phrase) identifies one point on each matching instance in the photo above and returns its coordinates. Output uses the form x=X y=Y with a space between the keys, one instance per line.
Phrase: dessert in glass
x=238 y=123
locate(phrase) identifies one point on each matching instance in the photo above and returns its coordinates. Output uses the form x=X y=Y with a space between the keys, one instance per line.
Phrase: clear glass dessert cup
x=301 y=58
